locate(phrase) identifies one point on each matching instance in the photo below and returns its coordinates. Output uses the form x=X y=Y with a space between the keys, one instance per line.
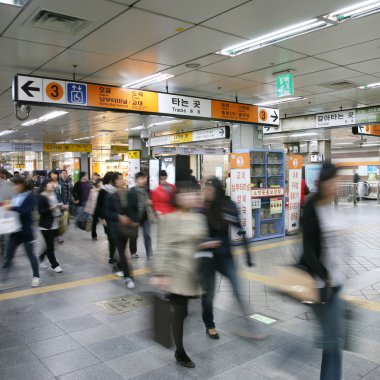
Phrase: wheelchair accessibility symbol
x=77 y=93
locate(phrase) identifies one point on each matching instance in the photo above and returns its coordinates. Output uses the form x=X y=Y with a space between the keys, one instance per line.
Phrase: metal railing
x=347 y=192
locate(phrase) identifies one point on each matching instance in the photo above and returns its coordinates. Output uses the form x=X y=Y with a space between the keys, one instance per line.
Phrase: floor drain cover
x=118 y=305
x=263 y=318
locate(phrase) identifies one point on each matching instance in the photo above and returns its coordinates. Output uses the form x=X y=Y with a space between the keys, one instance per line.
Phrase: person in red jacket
x=304 y=192
x=163 y=195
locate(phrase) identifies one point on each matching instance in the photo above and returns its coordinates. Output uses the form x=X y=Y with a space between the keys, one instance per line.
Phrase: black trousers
x=121 y=245
x=179 y=314
x=111 y=243
x=94 y=224
x=49 y=237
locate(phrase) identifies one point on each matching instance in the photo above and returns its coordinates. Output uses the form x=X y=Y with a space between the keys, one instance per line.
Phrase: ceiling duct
x=339 y=85
x=57 y=22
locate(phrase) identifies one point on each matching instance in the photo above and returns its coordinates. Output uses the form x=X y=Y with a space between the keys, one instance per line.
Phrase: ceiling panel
x=95 y=11
x=300 y=67
x=255 y=60
x=24 y=56
x=6 y=79
x=263 y=16
x=257 y=90
x=125 y=71
x=346 y=34
x=129 y=33
x=370 y=96
x=371 y=66
x=7 y=14
x=87 y=63
x=225 y=85
x=353 y=54
x=194 y=11
x=187 y=46
x=325 y=76
x=125 y=2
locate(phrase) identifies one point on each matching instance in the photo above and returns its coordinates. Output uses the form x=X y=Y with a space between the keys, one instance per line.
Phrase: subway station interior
x=264 y=114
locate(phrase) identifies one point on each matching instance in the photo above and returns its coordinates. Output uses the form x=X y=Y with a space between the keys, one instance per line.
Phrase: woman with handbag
x=23 y=203
x=322 y=257
x=120 y=225
x=174 y=266
x=49 y=209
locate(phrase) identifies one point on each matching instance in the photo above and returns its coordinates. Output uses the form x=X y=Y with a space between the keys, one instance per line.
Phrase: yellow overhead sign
x=81 y=148
x=134 y=154
x=119 y=149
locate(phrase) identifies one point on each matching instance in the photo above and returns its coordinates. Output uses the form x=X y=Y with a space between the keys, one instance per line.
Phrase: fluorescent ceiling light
x=281 y=101
x=362 y=9
x=6 y=132
x=371 y=85
x=136 y=128
x=303 y=134
x=343 y=143
x=84 y=138
x=159 y=77
x=166 y=122
x=48 y=116
x=275 y=37
x=372 y=144
x=17 y=3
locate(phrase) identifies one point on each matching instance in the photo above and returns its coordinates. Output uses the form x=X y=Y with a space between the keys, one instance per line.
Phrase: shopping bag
x=9 y=222
x=297 y=284
x=63 y=223
x=162 y=316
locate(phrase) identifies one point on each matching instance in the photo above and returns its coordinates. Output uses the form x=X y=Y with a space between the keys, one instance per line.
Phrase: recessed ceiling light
x=281 y=101
x=6 y=132
x=16 y=3
x=358 y=10
x=136 y=128
x=371 y=85
x=151 y=79
x=48 y=116
x=193 y=65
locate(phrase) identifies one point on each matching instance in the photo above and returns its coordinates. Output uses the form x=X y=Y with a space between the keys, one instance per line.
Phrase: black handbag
x=162 y=317
x=126 y=231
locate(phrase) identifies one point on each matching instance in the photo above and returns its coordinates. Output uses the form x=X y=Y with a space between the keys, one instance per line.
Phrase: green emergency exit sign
x=285 y=86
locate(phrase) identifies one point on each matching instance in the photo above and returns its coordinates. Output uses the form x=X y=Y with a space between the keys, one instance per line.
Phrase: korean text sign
x=241 y=190
x=295 y=177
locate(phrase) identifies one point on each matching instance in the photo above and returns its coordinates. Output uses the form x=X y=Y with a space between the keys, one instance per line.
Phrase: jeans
x=179 y=314
x=121 y=245
x=79 y=214
x=331 y=319
x=225 y=265
x=147 y=240
x=13 y=242
x=49 y=237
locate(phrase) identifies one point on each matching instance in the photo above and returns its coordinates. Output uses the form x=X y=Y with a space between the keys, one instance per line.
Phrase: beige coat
x=179 y=235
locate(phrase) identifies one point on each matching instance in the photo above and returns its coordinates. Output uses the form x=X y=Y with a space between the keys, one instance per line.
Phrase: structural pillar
x=135 y=143
x=246 y=136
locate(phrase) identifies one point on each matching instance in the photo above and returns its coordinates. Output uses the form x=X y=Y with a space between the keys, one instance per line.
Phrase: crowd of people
x=192 y=246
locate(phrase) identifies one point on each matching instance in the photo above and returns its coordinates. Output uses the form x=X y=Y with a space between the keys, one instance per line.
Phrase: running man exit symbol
x=285 y=85
x=77 y=93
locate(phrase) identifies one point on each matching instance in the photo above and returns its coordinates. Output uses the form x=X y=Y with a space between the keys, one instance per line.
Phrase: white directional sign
x=270 y=117
x=336 y=119
x=184 y=105
x=29 y=88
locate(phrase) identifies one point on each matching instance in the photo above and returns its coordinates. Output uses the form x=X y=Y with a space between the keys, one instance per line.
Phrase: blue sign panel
x=76 y=93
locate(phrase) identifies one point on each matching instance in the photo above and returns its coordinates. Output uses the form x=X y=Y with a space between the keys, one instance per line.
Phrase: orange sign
x=240 y=161
x=121 y=98
x=372 y=129
x=263 y=115
x=295 y=161
x=234 y=111
x=54 y=91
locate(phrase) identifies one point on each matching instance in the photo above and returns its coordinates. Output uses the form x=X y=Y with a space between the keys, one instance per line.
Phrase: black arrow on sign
x=268 y=128
x=294 y=225
x=274 y=117
x=221 y=132
x=26 y=87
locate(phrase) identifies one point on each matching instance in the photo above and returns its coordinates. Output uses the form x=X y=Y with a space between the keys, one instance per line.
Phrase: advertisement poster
x=294 y=183
x=154 y=171
x=275 y=206
x=168 y=164
x=311 y=176
x=241 y=191
x=133 y=167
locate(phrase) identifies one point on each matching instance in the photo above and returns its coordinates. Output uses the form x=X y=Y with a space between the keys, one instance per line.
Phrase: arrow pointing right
x=27 y=88
x=274 y=117
x=221 y=132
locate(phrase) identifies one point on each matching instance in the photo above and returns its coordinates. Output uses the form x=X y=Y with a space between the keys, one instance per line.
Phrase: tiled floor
x=63 y=334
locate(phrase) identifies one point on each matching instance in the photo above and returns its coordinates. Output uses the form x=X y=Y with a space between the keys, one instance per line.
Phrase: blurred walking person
x=174 y=266
x=23 y=203
x=90 y=207
x=163 y=195
x=139 y=203
x=221 y=213
x=80 y=193
x=120 y=225
x=49 y=209
x=322 y=256
x=6 y=193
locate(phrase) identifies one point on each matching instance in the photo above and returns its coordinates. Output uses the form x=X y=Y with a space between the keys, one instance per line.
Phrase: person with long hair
x=23 y=203
x=221 y=213
x=322 y=257
x=49 y=209
x=174 y=267
x=119 y=221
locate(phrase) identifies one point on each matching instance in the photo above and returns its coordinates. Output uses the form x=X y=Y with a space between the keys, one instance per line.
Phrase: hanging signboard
x=119 y=149
x=335 y=119
x=371 y=130
x=133 y=166
x=74 y=94
x=241 y=191
x=57 y=148
x=20 y=147
x=191 y=136
x=368 y=115
x=294 y=183
x=187 y=150
x=285 y=86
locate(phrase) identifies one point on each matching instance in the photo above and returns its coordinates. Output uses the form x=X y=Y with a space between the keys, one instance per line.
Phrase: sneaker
x=43 y=265
x=119 y=273
x=135 y=255
x=60 y=240
x=36 y=282
x=130 y=283
x=94 y=238
x=58 y=269
x=111 y=261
